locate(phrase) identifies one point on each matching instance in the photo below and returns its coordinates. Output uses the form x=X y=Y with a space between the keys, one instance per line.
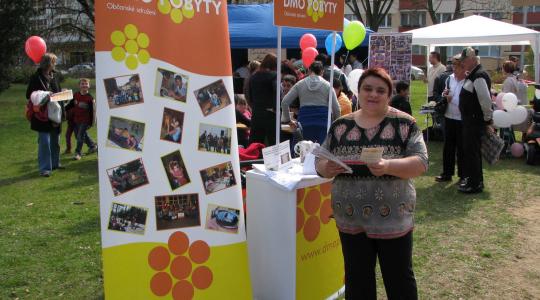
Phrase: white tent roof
x=477 y=30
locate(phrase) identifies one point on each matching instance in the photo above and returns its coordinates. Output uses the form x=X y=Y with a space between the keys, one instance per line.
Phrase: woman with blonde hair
x=48 y=132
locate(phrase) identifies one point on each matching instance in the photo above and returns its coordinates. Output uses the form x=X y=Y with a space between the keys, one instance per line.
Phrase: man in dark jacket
x=48 y=132
x=476 y=113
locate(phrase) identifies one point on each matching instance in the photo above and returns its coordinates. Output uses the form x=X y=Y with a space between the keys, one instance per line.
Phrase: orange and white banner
x=171 y=209
x=315 y=14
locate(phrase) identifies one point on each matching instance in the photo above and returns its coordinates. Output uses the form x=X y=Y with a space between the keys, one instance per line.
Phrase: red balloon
x=308 y=40
x=308 y=56
x=35 y=47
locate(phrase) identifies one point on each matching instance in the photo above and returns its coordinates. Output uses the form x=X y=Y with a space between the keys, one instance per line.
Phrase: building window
x=492 y=15
x=444 y=17
x=386 y=22
x=413 y=19
x=351 y=17
x=419 y=50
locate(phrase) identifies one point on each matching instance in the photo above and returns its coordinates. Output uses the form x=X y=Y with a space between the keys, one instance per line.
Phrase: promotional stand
x=293 y=243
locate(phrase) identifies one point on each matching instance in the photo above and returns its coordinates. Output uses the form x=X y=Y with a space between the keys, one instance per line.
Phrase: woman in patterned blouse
x=374 y=205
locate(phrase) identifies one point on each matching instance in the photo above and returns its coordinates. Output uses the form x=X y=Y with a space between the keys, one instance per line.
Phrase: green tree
x=14 y=29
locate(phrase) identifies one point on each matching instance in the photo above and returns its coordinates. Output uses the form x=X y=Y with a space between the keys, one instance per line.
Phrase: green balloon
x=354 y=34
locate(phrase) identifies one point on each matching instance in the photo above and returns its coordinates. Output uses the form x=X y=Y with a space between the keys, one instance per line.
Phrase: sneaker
x=92 y=150
x=60 y=167
x=45 y=174
x=77 y=157
x=443 y=178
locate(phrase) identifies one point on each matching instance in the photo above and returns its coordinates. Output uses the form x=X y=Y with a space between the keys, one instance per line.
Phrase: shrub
x=21 y=74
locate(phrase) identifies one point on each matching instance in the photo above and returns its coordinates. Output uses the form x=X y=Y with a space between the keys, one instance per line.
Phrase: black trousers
x=472 y=132
x=453 y=145
x=263 y=128
x=395 y=258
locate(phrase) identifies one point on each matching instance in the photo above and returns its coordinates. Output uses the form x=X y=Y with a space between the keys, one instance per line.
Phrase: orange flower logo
x=315 y=202
x=180 y=258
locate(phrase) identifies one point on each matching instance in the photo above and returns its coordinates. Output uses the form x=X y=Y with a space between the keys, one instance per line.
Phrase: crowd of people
x=305 y=94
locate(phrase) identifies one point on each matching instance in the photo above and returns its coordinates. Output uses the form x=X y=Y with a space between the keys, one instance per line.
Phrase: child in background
x=83 y=117
x=401 y=99
x=344 y=103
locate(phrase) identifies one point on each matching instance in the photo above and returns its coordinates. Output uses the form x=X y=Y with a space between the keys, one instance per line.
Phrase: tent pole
x=536 y=55
x=278 y=87
x=332 y=61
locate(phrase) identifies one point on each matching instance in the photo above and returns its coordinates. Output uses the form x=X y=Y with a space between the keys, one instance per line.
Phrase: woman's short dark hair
x=379 y=73
x=337 y=83
x=401 y=86
x=316 y=67
x=436 y=54
x=269 y=62
x=509 y=66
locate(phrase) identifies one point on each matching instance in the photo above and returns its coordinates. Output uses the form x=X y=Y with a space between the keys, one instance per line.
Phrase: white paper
x=286 y=179
x=277 y=157
x=321 y=152
x=62 y=96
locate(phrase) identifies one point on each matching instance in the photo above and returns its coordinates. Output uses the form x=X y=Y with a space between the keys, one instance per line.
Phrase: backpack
x=521 y=88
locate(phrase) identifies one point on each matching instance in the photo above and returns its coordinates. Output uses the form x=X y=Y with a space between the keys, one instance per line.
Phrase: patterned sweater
x=383 y=207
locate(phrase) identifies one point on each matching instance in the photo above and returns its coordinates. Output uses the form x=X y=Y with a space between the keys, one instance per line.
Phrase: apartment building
x=51 y=22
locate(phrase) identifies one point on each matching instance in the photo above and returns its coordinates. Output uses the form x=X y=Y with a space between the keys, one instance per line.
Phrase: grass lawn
x=50 y=232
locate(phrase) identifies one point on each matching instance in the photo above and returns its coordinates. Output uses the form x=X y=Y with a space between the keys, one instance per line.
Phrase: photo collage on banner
x=170 y=197
x=392 y=52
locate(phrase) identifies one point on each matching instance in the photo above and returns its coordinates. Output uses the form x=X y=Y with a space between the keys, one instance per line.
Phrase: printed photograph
x=212 y=97
x=127 y=218
x=125 y=134
x=123 y=90
x=175 y=169
x=177 y=211
x=222 y=219
x=214 y=138
x=172 y=125
x=127 y=177
x=171 y=85
x=285 y=157
x=218 y=177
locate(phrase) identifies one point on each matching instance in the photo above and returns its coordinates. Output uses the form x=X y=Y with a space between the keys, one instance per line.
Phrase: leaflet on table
x=287 y=179
x=321 y=152
x=277 y=157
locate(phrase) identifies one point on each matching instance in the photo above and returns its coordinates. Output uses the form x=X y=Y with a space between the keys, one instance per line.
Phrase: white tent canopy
x=478 y=30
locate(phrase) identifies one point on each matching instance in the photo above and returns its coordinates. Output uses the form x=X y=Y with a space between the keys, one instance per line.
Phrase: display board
x=393 y=52
x=170 y=199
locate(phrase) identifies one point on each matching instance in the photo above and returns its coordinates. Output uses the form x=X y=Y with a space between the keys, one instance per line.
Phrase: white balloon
x=501 y=119
x=537 y=94
x=518 y=115
x=510 y=101
x=353 y=79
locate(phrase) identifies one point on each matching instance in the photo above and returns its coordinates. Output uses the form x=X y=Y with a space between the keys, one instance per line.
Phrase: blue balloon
x=328 y=43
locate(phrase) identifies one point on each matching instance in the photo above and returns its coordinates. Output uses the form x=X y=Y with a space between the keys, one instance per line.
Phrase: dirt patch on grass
x=518 y=277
